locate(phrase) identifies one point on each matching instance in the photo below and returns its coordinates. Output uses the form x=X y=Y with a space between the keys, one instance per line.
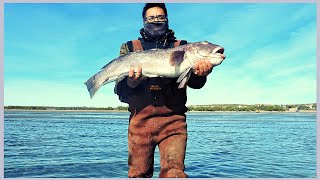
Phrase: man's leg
x=141 y=156
x=140 y=145
x=172 y=151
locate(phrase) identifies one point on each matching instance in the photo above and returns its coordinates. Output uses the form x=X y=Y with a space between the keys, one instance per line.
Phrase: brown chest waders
x=152 y=126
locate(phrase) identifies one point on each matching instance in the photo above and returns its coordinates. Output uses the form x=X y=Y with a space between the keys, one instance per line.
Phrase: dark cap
x=151 y=5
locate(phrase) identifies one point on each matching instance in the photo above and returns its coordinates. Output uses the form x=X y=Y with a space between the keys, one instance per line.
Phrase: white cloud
x=299 y=48
x=269 y=48
x=293 y=71
x=241 y=87
x=244 y=29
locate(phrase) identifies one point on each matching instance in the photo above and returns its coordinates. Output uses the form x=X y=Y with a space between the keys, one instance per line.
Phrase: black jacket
x=144 y=95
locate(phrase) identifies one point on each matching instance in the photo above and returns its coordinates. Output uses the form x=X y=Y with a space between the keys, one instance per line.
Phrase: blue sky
x=52 y=49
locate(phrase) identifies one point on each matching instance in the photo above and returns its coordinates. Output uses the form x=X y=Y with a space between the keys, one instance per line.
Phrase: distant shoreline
x=301 y=111
x=68 y=110
x=257 y=108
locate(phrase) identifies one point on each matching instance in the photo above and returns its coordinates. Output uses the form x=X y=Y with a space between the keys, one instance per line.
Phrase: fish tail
x=93 y=85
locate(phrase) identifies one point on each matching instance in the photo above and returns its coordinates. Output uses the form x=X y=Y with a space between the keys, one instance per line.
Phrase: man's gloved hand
x=135 y=79
x=203 y=67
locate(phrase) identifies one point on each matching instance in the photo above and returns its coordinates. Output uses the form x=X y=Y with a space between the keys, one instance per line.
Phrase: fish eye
x=220 y=51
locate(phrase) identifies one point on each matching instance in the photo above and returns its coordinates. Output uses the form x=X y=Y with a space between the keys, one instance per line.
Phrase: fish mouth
x=218 y=52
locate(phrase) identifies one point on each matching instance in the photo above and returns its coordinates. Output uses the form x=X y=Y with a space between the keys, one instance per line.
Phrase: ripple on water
x=223 y=145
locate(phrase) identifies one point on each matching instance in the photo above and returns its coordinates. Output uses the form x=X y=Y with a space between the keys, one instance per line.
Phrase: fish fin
x=121 y=77
x=184 y=81
x=109 y=80
x=95 y=82
x=93 y=85
x=184 y=74
x=176 y=58
x=117 y=79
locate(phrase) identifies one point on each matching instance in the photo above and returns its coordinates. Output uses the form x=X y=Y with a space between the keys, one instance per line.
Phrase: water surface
x=94 y=144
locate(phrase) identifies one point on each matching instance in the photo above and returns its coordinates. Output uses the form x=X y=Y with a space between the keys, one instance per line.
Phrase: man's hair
x=151 y=5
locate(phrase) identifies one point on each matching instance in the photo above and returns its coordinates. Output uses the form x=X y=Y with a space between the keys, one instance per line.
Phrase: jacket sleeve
x=124 y=49
x=197 y=82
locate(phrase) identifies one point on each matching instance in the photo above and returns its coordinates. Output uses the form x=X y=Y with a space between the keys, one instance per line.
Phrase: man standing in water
x=156 y=105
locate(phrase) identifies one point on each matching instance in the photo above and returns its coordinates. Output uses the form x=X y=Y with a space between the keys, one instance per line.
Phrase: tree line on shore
x=237 y=108
x=65 y=108
x=252 y=107
x=191 y=108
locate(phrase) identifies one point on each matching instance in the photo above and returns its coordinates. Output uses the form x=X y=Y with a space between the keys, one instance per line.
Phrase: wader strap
x=137 y=46
x=177 y=43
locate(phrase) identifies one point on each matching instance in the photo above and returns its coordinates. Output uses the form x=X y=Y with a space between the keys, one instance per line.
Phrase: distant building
x=310 y=106
x=293 y=109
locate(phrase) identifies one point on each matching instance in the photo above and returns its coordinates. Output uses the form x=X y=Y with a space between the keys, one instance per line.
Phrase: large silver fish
x=170 y=63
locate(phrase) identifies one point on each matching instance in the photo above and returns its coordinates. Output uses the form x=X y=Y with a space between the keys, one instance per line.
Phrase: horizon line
x=186 y=105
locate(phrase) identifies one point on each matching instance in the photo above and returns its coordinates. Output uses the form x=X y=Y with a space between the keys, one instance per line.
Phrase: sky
x=50 y=50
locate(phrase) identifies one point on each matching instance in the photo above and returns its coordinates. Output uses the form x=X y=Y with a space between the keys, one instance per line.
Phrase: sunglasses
x=160 y=18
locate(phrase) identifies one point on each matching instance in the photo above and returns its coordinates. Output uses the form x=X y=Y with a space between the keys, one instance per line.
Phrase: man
x=157 y=106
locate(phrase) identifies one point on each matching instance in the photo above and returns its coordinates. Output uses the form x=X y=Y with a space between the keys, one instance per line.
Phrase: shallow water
x=94 y=144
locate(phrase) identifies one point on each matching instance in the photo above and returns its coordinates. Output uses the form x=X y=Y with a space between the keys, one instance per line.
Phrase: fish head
x=206 y=50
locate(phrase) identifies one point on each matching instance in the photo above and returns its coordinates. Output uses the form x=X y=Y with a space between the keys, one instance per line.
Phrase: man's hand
x=135 y=79
x=203 y=67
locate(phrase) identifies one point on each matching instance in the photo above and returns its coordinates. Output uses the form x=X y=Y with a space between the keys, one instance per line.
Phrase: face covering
x=156 y=29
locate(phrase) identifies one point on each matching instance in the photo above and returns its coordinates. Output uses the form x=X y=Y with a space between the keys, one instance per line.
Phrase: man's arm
x=197 y=82
x=124 y=49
